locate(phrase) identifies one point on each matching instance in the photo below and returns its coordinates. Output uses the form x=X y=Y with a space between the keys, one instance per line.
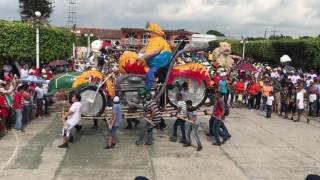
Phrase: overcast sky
x=232 y=17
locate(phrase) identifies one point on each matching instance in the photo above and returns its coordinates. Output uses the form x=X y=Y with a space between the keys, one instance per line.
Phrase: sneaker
x=173 y=139
x=113 y=144
x=148 y=144
x=208 y=134
x=226 y=139
x=128 y=127
x=138 y=143
x=187 y=145
x=22 y=130
x=216 y=144
x=183 y=141
x=63 y=146
x=107 y=147
x=199 y=148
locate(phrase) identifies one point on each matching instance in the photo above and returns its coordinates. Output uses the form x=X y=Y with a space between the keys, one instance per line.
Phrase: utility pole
x=265 y=34
x=274 y=33
x=243 y=41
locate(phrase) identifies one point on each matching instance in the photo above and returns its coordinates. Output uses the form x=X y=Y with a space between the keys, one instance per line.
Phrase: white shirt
x=309 y=81
x=275 y=75
x=294 y=79
x=182 y=105
x=7 y=68
x=23 y=72
x=313 y=76
x=39 y=92
x=300 y=99
x=75 y=117
x=270 y=100
x=312 y=97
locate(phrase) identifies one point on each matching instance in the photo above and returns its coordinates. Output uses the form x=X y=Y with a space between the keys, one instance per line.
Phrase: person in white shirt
x=269 y=103
x=7 y=68
x=309 y=81
x=70 y=120
x=312 y=103
x=275 y=74
x=300 y=102
x=295 y=78
x=24 y=72
x=39 y=93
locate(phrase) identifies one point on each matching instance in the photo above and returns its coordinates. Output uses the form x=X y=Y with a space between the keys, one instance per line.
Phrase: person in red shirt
x=239 y=90
x=18 y=107
x=252 y=91
x=216 y=78
x=4 y=114
x=218 y=123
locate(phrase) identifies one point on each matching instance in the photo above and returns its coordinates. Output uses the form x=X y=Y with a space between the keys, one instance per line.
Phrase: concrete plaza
x=260 y=149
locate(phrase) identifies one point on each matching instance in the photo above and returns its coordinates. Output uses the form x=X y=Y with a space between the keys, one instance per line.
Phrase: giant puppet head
x=221 y=55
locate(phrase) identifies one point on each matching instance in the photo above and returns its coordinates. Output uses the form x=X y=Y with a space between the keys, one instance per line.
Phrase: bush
x=18 y=42
x=304 y=53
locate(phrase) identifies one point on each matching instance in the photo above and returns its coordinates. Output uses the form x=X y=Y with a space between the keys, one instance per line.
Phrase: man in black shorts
x=292 y=103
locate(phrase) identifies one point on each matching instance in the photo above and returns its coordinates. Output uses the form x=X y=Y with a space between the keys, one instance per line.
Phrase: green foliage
x=303 y=52
x=17 y=42
x=82 y=40
x=276 y=37
x=255 y=38
x=216 y=33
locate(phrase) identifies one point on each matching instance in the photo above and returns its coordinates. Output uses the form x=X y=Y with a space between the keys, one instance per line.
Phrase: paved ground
x=259 y=149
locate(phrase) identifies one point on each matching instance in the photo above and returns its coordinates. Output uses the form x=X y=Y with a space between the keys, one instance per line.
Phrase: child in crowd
x=300 y=103
x=269 y=104
x=292 y=103
x=194 y=126
x=179 y=122
x=114 y=123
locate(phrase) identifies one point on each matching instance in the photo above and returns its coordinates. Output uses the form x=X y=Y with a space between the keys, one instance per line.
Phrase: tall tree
x=216 y=33
x=29 y=7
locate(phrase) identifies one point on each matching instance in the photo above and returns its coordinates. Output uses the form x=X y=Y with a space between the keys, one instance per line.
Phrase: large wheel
x=129 y=87
x=92 y=104
x=190 y=90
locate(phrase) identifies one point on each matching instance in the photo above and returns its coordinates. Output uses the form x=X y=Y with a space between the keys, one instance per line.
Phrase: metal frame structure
x=72 y=14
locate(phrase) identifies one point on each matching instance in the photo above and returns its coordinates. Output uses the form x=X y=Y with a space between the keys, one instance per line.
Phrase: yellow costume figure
x=157 y=52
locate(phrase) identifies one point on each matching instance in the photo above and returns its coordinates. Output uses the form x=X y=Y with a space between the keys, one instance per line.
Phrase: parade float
x=191 y=80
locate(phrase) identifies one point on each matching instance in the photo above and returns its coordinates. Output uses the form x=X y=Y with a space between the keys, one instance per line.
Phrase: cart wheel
x=190 y=90
x=92 y=104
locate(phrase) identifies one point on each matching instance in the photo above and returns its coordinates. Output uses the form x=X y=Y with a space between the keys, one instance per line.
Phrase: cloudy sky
x=233 y=17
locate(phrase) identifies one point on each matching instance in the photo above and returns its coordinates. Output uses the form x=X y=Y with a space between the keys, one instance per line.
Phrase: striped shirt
x=182 y=105
x=152 y=106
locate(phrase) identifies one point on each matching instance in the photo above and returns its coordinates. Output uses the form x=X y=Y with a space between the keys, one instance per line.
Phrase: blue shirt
x=223 y=87
x=116 y=110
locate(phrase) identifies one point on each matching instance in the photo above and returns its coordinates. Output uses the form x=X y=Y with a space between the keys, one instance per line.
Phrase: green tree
x=17 y=42
x=216 y=33
x=29 y=7
x=276 y=37
x=82 y=40
x=255 y=38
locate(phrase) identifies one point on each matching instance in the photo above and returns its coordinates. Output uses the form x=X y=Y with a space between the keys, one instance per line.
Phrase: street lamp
x=89 y=47
x=243 y=41
x=38 y=15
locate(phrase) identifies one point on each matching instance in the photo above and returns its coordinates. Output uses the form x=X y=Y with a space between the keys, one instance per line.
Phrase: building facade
x=134 y=37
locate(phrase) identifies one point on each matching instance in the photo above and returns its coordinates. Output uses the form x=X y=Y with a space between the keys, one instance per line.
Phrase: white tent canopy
x=285 y=58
